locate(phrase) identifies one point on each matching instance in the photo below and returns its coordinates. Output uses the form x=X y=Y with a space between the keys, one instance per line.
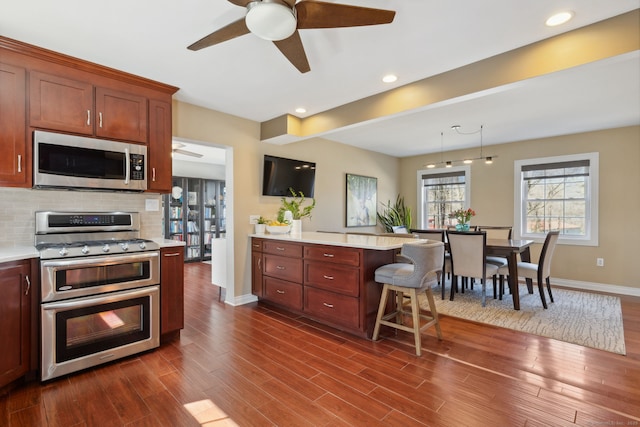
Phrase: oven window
x=87 y=277
x=88 y=330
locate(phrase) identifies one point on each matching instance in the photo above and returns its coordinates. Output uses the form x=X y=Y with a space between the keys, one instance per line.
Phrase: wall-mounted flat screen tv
x=280 y=174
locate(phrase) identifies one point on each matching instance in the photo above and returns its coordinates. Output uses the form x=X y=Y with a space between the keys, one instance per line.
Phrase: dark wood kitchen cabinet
x=171 y=290
x=159 y=164
x=17 y=287
x=42 y=89
x=14 y=165
x=331 y=284
x=68 y=105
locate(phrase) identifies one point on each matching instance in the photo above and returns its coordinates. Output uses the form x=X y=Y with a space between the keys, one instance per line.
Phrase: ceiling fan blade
x=241 y=3
x=187 y=153
x=317 y=14
x=231 y=31
x=294 y=51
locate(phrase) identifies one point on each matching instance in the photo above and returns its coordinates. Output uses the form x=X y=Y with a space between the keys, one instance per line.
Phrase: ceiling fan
x=280 y=20
x=176 y=147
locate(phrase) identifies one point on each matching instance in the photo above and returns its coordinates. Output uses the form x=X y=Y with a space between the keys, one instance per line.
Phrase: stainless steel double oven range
x=100 y=289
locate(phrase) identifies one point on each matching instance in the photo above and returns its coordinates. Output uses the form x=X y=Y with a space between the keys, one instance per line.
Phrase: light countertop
x=10 y=253
x=382 y=243
x=167 y=243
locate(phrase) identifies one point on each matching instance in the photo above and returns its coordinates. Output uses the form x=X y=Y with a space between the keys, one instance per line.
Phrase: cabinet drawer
x=283 y=268
x=337 y=254
x=281 y=248
x=332 y=277
x=332 y=307
x=256 y=245
x=283 y=293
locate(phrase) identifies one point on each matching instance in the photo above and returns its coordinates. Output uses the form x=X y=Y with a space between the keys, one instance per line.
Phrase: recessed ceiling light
x=301 y=110
x=390 y=78
x=559 y=18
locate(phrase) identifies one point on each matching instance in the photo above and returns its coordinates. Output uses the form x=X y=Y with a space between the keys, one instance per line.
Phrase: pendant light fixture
x=449 y=163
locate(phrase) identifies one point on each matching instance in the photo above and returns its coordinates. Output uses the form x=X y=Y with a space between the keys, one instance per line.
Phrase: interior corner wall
x=492 y=197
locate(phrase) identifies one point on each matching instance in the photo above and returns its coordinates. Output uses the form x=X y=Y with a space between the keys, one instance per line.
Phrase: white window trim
x=420 y=196
x=592 y=238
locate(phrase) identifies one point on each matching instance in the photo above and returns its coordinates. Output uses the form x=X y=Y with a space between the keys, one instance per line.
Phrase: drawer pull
x=279 y=291
x=256 y=245
x=329 y=255
x=327 y=305
x=328 y=277
x=279 y=248
x=279 y=267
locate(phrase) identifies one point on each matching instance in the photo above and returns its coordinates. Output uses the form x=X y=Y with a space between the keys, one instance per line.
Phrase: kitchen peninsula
x=327 y=277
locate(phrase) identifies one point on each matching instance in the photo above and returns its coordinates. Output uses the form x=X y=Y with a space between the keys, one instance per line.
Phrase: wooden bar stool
x=410 y=278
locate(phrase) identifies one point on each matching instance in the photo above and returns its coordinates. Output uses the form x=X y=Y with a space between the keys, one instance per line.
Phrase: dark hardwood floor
x=253 y=365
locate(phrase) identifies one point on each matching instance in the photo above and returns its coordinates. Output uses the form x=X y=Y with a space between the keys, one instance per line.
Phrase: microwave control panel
x=137 y=167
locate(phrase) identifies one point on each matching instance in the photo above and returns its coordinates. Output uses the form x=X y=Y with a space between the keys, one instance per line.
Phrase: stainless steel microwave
x=76 y=162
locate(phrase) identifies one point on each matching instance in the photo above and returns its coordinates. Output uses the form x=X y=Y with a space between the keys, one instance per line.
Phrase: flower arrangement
x=463 y=216
x=294 y=205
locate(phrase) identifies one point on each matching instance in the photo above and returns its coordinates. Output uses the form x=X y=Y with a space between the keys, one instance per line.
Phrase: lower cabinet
x=171 y=290
x=331 y=284
x=17 y=322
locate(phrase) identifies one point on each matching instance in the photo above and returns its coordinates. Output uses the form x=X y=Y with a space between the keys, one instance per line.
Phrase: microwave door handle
x=127 y=167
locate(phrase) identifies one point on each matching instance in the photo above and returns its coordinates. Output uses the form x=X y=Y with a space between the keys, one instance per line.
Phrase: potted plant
x=261 y=225
x=298 y=211
x=397 y=214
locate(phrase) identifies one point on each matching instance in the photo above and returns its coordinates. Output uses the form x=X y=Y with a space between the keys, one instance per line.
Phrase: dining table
x=510 y=249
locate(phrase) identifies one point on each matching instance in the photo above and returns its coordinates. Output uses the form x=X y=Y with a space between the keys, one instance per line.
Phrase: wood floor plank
x=259 y=365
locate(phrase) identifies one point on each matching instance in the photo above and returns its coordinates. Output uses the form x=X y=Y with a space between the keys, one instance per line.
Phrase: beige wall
x=492 y=196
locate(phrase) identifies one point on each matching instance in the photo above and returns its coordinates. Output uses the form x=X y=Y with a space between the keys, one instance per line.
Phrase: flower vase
x=296 y=226
x=462 y=227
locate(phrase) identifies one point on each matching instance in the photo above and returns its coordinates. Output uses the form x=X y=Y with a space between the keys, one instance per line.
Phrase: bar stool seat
x=411 y=278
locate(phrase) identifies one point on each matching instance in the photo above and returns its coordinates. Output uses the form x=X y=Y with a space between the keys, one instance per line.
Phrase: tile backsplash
x=18 y=207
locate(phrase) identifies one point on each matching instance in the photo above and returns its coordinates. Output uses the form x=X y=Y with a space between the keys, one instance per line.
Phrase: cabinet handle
x=26 y=292
x=279 y=291
x=100 y=118
x=88 y=117
x=280 y=249
x=256 y=245
x=259 y=263
x=153 y=174
x=174 y=254
x=19 y=162
x=279 y=267
x=327 y=305
x=329 y=255
x=328 y=277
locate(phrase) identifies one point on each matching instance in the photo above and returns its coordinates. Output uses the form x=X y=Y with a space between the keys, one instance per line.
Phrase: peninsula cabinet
x=331 y=284
x=17 y=327
x=14 y=168
x=69 y=95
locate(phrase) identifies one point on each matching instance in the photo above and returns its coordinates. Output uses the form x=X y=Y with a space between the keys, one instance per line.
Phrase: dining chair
x=439 y=236
x=418 y=276
x=468 y=259
x=541 y=271
x=497 y=232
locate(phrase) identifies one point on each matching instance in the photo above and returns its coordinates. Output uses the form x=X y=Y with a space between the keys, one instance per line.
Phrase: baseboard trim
x=598 y=287
x=242 y=299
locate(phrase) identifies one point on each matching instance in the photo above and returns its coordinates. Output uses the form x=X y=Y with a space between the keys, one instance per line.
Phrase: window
x=558 y=193
x=441 y=192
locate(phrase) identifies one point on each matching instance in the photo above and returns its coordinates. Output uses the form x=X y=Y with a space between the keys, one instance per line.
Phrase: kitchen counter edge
x=381 y=243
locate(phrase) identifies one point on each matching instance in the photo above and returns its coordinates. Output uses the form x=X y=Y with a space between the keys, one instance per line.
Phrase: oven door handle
x=99 y=299
x=100 y=261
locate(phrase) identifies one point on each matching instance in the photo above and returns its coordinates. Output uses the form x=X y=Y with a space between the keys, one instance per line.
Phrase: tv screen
x=280 y=174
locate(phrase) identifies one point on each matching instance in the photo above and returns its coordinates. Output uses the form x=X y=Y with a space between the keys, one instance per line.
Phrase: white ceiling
x=248 y=77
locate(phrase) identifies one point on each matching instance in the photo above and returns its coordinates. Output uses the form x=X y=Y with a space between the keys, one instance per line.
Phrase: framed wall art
x=362 y=200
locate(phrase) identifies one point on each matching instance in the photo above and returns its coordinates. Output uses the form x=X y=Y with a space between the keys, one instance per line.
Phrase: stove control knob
x=142 y=245
x=106 y=248
x=124 y=246
x=85 y=249
x=63 y=252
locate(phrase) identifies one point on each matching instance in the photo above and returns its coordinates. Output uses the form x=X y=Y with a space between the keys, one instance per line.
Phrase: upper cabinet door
x=121 y=115
x=59 y=103
x=159 y=162
x=14 y=165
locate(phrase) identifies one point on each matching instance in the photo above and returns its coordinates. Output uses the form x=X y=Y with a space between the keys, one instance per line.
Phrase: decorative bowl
x=278 y=229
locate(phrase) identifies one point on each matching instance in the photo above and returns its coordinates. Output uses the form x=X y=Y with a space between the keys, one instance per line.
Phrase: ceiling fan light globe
x=270 y=20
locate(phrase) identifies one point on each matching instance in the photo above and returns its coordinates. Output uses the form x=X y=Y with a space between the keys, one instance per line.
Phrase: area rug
x=587 y=319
